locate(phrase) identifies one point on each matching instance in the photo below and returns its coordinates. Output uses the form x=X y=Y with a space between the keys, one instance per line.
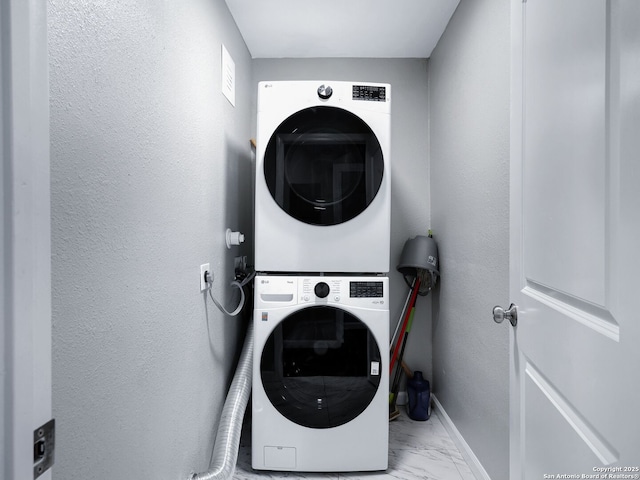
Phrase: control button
x=321 y=290
x=336 y=298
x=325 y=91
x=306 y=298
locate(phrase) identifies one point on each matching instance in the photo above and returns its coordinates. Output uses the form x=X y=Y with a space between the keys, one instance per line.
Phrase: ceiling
x=341 y=28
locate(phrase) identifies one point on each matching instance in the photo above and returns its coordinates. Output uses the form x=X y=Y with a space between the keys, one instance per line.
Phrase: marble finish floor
x=417 y=451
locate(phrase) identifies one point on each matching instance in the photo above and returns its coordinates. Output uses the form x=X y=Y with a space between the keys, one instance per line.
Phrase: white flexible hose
x=240 y=304
x=239 y=286
x=225 y=451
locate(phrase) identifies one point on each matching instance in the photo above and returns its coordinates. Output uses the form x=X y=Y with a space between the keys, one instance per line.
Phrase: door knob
x=499 y=314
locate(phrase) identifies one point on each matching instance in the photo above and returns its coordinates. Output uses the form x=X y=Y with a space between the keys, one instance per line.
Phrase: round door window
x=323 y=165
x=320 y=367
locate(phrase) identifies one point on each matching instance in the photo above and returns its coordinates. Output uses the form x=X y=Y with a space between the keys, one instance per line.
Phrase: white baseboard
x=470 y=457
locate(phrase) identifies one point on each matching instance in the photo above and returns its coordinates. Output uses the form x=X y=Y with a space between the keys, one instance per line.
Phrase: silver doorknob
x=499 y=314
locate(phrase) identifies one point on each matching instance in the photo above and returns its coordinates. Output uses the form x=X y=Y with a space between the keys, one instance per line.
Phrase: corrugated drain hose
x=225 y=451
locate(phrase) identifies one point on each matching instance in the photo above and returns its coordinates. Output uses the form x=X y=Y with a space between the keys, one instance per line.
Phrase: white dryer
x=320 y=399
x=323 y=187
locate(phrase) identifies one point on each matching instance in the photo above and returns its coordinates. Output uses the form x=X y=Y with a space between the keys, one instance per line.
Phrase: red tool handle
x=412 y=303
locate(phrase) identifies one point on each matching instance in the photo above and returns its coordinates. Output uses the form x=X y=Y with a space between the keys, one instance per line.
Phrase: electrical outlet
x=240 y=263
x=203 y=283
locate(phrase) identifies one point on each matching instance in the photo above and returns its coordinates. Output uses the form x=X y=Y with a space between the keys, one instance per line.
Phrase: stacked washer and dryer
x=321 y=311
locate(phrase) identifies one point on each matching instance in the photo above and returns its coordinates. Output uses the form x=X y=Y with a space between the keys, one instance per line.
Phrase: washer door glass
x=323 y=165
x=320 y=367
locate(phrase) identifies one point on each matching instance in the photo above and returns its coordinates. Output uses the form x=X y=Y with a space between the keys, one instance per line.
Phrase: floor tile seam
x=450 y=453
x=441 y=460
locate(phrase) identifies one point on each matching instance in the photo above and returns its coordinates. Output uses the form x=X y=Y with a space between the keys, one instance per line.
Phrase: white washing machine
x=323 y=188
x=320 y=400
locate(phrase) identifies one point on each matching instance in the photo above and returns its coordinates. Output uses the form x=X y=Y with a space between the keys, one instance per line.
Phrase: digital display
x=365 y=289
x=369 y=93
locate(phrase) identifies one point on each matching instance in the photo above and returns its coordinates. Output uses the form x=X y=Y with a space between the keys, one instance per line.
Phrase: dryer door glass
x=320 y=367
x=323 y=165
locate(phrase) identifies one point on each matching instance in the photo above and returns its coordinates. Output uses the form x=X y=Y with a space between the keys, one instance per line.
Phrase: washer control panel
x=369 y=292
x=285 y=290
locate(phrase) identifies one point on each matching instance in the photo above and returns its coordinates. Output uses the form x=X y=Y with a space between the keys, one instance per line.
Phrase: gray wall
x=149 y=164
x=409 y=159
x=469 y=119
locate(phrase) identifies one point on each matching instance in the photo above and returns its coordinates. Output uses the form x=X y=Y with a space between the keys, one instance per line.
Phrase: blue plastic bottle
x=419 y=397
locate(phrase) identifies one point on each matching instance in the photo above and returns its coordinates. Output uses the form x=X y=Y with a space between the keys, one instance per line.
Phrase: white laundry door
x=575 y=238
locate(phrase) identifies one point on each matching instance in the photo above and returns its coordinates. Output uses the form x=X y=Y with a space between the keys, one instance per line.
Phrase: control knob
x=321 y=289
x=325 y=91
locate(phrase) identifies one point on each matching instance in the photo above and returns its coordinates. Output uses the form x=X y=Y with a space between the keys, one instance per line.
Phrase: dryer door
x=320 y=367
x=323 y=165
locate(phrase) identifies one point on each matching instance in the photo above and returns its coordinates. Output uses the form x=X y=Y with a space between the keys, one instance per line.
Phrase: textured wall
x=149 y=165
x=409 y=159
x=469 y=120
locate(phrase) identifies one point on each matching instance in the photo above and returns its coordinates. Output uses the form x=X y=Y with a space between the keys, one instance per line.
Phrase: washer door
x=320 y=367
x=323 y=165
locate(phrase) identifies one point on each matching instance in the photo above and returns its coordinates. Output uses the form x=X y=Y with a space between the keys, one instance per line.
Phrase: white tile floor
x=417 y=451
